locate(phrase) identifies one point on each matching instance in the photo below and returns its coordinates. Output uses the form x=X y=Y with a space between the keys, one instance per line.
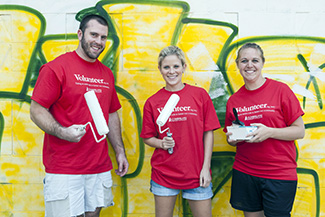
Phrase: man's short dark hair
x=86 y=19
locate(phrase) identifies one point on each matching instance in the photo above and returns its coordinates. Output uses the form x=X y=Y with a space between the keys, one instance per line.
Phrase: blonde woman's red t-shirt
x=194 y=114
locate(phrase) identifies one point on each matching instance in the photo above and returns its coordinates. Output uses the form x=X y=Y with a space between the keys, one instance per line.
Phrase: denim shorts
x=199 y=193
x=252 y=194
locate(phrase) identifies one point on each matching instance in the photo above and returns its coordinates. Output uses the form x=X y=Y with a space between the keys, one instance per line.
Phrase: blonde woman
x=192 y=124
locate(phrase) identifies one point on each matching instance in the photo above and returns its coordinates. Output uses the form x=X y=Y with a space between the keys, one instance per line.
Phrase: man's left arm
x=115 y=139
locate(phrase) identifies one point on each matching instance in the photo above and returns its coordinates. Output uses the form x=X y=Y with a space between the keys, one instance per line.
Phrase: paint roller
x=97 y=115
x=164 y=115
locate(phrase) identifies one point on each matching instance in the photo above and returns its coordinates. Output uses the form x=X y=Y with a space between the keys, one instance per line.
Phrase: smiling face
x=250 y=64
x=171 y=68
x=92 y=40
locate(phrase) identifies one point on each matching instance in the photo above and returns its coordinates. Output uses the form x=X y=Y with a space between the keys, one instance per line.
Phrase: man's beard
x=86 y=48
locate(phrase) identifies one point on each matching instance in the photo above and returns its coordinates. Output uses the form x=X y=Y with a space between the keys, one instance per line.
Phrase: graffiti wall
x=35 y=32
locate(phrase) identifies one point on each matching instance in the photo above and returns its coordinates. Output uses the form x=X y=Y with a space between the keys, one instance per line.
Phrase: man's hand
x=74 y=133
x=123 y=165
x=46 y=122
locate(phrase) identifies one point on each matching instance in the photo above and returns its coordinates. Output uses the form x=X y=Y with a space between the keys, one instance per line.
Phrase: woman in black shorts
x=264 y=172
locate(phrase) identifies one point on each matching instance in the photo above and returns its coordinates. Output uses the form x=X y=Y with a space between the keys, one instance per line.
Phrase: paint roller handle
x=82 y=127
x=170 y=150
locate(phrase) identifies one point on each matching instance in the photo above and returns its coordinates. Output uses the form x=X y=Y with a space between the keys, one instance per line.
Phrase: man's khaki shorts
x=73 y=195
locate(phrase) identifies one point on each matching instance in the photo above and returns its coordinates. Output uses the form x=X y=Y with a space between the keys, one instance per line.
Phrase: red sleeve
x=115 y=103
x=211 y=121
x=48 y=87
x=229 y=115
x=290 y=106
x=148 y=123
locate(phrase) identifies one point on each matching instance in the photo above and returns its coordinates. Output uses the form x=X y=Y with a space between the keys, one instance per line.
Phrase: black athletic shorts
x=253 y=194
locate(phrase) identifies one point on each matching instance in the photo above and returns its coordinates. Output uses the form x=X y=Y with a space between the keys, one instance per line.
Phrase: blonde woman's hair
x=171 y=50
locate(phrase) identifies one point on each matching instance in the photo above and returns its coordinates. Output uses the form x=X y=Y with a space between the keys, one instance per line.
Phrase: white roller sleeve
x=168 y=109
x=96 y=112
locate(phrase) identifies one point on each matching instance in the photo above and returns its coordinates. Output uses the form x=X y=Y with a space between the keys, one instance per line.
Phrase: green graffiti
x=313 y=80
